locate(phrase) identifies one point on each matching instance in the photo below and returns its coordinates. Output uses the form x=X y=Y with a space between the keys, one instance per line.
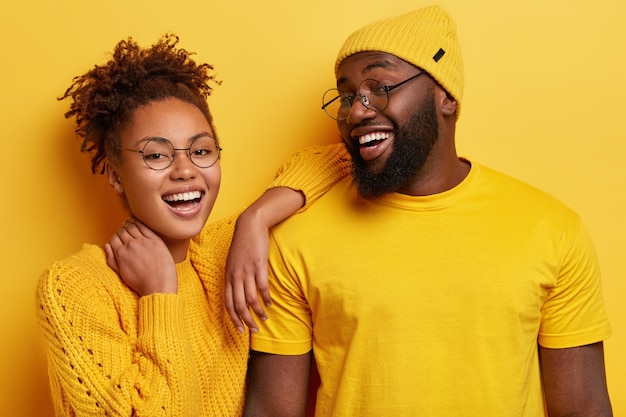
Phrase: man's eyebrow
x=384 y=64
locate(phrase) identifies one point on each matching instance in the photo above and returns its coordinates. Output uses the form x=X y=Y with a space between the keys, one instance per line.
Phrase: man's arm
x=575 y=381
x=277 y=385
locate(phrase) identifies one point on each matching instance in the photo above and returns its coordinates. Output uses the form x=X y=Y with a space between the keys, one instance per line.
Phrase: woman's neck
x=178 y=248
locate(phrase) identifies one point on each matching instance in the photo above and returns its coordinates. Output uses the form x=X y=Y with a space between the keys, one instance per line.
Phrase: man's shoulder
x=317 y=217
x=511 y=191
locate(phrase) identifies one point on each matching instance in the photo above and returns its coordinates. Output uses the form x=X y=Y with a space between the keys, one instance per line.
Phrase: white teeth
x=373 y=136
x=183 y=196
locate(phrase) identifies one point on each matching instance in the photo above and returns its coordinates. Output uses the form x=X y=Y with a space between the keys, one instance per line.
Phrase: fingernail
x=241 y=329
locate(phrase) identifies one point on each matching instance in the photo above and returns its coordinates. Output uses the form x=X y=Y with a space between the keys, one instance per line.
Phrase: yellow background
x=544 y=102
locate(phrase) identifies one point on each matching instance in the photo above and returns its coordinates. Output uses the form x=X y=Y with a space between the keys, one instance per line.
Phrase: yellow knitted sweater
x=112 y=353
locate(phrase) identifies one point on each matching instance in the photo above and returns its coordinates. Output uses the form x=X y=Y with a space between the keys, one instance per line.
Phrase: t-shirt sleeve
x=573 y=313
x=288 y=331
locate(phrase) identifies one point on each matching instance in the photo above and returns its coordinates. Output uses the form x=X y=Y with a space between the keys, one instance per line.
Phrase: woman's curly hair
x=106 y=97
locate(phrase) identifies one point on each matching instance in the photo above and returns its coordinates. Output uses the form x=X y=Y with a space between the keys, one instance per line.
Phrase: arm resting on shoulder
x=246 y=265
x=299 y=182
x=574 y=381
x=277 y=385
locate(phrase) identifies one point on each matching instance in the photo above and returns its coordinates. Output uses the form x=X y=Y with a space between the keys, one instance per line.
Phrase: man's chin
x=370 y=185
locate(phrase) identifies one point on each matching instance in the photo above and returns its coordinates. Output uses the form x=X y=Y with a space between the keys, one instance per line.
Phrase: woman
x=155 y=340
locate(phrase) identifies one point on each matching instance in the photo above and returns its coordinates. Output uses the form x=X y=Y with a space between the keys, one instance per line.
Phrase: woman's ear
x=114 y=179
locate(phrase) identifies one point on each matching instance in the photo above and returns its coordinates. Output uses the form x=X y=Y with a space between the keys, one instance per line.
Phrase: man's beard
x=411 y=147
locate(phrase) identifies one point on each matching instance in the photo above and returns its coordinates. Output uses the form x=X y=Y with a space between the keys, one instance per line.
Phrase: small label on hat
x=438 y=55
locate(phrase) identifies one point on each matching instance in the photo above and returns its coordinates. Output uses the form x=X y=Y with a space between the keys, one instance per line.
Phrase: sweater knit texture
x=113 y=353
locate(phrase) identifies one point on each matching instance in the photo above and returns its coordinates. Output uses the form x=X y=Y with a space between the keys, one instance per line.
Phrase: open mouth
x=183 y=199
x=373 y=138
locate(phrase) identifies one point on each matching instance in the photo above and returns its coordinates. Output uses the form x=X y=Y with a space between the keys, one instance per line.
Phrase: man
x=426 y=284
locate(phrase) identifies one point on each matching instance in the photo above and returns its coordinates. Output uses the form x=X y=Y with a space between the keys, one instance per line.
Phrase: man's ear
x=449 y=105
x=446 y=102
x=114 y=179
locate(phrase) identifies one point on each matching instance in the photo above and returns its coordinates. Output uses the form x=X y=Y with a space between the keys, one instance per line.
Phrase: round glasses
x=159 y=153
x=371 y=93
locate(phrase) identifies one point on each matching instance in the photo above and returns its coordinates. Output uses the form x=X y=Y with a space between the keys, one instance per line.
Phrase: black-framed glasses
x=371 y=93
x=159 y=153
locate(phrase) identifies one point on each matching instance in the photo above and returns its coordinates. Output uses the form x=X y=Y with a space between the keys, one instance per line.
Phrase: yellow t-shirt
x=433 y=306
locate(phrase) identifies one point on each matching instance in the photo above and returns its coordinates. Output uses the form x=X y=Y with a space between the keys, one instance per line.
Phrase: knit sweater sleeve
x=314 y=170
x=111 y=353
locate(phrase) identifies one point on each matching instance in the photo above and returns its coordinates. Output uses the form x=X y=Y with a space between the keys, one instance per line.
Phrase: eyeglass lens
x=372 y=95
x=159 y=153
